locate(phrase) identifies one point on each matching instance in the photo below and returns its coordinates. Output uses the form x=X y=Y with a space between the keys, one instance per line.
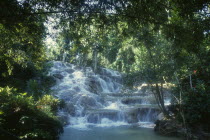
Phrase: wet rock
x=63 y=118
x=111 y=115
x=59 y=76
x=106 y=78
x=167 y=127
x=131 y=117
x=58 y=64
x=78 y=67
x=88 y=72
x=160 y=116
x=69 y=92
x=66 y=98
x=93 y=118
x=70 y=109
x=131 y=101
x=77 y=89
x=69 y=65
x=70 y=71
x=71 y=76
x=87 y=101
x=68 y=95
x=94 y=85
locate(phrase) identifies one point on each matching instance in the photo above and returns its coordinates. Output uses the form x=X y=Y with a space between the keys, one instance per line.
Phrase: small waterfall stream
x=98 y=100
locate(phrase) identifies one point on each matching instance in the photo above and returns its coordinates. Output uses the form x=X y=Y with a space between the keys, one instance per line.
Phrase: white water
x=98 y=100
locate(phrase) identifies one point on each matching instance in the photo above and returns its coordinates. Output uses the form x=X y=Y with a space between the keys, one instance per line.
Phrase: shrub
x=22 y=118
x=197 y=108
x=48 y=101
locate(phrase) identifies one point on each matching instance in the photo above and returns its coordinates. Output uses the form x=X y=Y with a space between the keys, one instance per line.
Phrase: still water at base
x=112 y=133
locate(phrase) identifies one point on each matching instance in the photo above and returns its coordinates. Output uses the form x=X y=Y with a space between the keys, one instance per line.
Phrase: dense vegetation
x=163 y=41
x=23 y=118
x=26 y=109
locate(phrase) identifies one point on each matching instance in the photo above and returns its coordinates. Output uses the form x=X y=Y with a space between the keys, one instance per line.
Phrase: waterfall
x=98 y=99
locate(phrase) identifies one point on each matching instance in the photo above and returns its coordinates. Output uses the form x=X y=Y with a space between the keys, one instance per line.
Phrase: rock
x=77 y=89
x=63 y=118
x=167 y=127
x=160 y=116
x=78 y=67
x=93 y=118
x=58 y=65
x=59 y=76
x=87 y=101
x=68 y=65
x=131 y=117
x=94 y=85
x=71 y=76
x=70 y=71
x=131 y=101
x=70 y=109
x=67 y=95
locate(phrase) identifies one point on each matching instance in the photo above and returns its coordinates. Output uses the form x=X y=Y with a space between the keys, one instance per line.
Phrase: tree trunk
x=160 y=95
x=95 y=59
x=191 y=81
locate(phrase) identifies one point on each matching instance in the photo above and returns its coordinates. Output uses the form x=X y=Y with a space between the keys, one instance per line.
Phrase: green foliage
x=21 y=42
x=195 y=98
x=49 y=101
x=23 y=118
x=197 y=108
x=34 y=88
x=132 y=79
x=41 y=82
x=41 y=86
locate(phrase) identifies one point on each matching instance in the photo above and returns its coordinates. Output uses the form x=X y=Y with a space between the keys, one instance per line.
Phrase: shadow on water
x=113 y=133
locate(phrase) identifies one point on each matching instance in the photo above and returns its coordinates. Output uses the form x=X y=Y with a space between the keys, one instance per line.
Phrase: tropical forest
x=104 y=70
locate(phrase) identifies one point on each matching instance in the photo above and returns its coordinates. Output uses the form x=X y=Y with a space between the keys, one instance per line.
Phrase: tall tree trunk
x=160 y=94
x=95 y=59
x=191 y=81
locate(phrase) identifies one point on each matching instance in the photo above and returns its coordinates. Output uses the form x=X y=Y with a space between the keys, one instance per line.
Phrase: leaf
x=23 y=94
x=1 y=112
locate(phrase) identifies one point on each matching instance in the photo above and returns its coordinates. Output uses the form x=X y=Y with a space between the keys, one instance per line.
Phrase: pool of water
x=112 y=133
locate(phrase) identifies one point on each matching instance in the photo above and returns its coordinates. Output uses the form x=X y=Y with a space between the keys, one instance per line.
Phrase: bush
x=34 y=89
x=23 y=118
x=197 y=108
x=196 y=102
x=49 y=101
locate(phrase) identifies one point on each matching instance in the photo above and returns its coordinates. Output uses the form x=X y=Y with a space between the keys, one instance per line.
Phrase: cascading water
x=98 y=99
